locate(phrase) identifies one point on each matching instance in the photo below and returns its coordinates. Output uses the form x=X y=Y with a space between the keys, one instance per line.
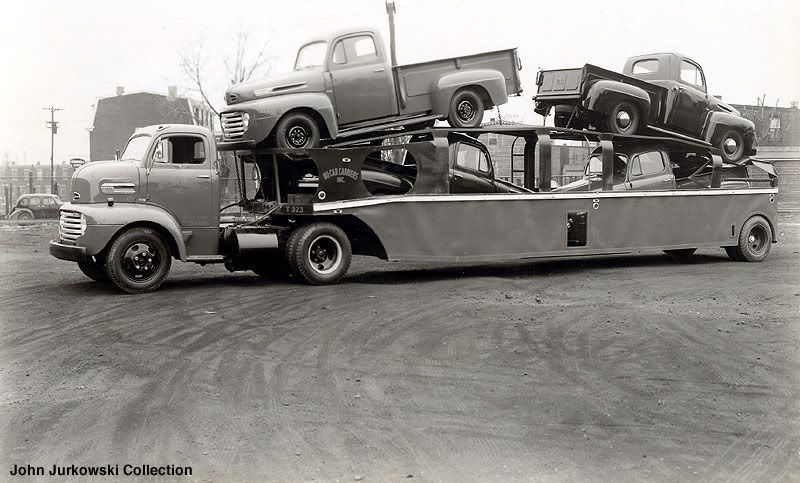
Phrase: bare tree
x=240 y=66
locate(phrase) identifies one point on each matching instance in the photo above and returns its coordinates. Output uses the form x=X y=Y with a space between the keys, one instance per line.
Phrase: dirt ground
x=622 y=368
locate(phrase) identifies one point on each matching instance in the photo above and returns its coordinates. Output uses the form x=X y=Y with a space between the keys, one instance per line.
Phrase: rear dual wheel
x=318 y=253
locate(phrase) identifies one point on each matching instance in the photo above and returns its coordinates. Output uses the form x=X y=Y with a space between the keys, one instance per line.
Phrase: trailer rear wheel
x=623 y=118
x=94 y=268
x=466 y=109
x=138 y=260
x=755 y=241
x=319 y=253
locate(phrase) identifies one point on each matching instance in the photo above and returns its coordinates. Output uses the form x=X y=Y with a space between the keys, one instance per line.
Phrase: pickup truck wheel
x=731 y=145
x=138 y=260
x=755 y=241
x=94 y=268
x=466 y=109
x=319 y=253
x=298 y=131
x=623 y=118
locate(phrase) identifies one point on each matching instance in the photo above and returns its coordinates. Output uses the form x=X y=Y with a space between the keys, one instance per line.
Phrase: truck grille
x=71 y=225
x=232 y=125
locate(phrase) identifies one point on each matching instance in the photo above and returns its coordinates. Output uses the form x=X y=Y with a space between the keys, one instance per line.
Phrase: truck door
x=690 y=100
x=471 y=171
x=179 y=180
x=650 y=171
x=361 y=79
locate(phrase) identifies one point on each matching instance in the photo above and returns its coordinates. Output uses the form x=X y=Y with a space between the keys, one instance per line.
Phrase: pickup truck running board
x=678 y=135
x=358 y=130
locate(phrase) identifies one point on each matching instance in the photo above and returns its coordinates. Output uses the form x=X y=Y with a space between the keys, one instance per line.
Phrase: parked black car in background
x=35 y=206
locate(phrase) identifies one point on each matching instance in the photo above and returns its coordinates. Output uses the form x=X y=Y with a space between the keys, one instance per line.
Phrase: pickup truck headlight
x=245 y=120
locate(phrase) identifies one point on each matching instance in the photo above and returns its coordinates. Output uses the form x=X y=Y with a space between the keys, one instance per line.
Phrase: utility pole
x=53 y=126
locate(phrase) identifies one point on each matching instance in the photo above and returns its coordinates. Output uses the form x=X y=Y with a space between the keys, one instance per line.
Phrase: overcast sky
x=68 y=54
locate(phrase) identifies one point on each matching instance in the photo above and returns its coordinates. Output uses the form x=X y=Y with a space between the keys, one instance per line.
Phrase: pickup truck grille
x=232 y=125
x=71 y=225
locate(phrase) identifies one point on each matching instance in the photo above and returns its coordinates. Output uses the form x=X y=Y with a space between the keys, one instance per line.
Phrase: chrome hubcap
x=623 y=119
x=324 y=254
x=140 y=261
x=757 y=239
x=466 y=111
x=730 y=145
x=297 y=136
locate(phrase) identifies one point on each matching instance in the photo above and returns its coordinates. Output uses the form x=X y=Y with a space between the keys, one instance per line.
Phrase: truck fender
x=604 y=94
x=123 y=215
x=491 y=81
x=271 y=109
x=719 y=122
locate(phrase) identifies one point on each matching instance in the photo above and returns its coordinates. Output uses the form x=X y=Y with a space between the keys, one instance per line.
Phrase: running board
x=203 y=259
x=678 y=135
x=355 y=131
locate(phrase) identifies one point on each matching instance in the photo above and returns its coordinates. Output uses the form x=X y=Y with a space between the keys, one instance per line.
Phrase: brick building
x=775 y=126
x=116 y=118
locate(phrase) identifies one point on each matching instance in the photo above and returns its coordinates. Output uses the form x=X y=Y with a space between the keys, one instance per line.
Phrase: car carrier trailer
x=311 y=234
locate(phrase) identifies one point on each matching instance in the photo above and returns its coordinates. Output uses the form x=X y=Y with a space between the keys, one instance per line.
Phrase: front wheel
x=319 y=253
x=138 y=260
x=94 y=268
x=297 y=130
x=623 y=118
x=466 y=109
x=731 y=145
x=755 y=241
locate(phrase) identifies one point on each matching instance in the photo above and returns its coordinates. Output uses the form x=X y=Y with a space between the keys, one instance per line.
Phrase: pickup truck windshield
x=136 y=148
x=311 y=55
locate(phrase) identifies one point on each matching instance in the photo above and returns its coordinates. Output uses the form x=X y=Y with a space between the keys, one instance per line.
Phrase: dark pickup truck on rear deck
x=665 y=93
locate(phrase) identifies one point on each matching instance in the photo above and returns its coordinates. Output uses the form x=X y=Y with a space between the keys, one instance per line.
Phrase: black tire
x=466 y=109
x=755 y=241
x=731 y=145
x=138 y=260
x=22 y=215
x=297 y=130
x=623 y=118
x=318 y=253
x=94 y=268
x=681 y=255
x=271 y=266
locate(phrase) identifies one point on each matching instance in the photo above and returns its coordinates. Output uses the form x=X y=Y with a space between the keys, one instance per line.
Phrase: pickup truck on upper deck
x=664 y=93
x=346 y=82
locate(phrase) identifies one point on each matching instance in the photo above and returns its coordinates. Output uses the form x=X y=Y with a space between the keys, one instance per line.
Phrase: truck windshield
x=311 y=55
x=136 y=148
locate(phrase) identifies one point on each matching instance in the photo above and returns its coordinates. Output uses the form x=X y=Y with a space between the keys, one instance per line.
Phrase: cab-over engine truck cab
x=129 y=218
x=346 y=81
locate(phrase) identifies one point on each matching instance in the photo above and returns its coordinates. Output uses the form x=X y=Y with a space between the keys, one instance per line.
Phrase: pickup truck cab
x=665 y=93
x=346 y=82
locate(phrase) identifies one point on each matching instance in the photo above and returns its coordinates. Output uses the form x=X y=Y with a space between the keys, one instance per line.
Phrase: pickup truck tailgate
x=559 y=82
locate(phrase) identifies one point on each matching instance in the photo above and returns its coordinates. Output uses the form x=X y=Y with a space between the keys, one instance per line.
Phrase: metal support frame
x=607 y=148
x=545 y=159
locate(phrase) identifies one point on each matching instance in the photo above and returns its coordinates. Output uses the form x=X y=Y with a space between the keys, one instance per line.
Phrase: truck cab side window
x=691 y=74
x=338 y=54
x=360 y=48
x=645 y=66
x=180 y=150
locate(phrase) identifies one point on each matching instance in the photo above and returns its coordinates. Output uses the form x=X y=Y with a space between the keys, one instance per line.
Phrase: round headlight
x=245 y=120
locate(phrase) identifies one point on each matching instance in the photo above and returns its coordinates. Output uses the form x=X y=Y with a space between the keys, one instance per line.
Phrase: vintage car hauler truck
x=665 y=93
x=346 y=84
x=128 y=219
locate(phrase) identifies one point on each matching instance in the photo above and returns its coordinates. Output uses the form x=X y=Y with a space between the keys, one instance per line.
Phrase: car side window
x=23 y=202
x=34 y=201
x=691 y=74
x=48 y=201
x=470 y=157
x=647 y=164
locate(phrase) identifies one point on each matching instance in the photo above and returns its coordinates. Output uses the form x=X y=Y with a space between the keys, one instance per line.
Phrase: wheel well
x=323 y=128
x=166 y=235
x=482 y=93
x=363 y=239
